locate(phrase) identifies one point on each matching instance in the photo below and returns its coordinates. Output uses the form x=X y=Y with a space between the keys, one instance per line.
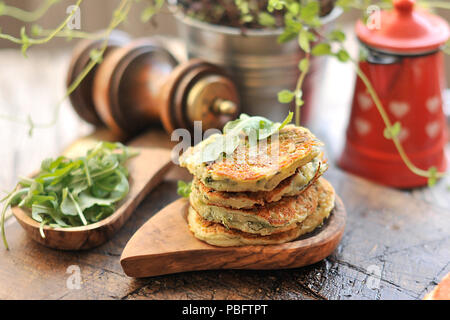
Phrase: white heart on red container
x=365 y=102
x=399 y=109
x=433 y=104
x=433 y=129
x=362 y=126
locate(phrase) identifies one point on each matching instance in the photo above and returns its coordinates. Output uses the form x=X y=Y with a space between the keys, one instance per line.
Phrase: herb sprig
x=302 y=21
x=73 y=192
x=257 y=127
x=184 y=188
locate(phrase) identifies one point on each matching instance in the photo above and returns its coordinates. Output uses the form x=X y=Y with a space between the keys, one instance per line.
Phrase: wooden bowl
x=146 y=172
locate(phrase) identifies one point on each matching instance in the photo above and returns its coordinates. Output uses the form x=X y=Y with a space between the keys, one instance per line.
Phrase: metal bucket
x=259 y=65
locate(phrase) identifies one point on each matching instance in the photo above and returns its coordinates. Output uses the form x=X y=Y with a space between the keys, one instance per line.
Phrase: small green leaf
x=299 y=98
x=265 y=19
x=184 y=188
x=394 y=131
x=309 y=13
x=247 y=18
x=287 y=120
x=275 y=5
x=321 y=49
x=303 y=66
x=41 y=228
x=304 y=38
x=343 y=55
x=150 y=11
x=270 y=127
x=285 y=96
x=67 y=205
x=363 y=54
x=287 y=36
x=243 y=6
x=36 y=30
x=234 y=133
x=337 y=35
x=25 y=41
x=30 y=126
x=432 y=176
x=345 y=4
x=294 y=8
x=96 y=55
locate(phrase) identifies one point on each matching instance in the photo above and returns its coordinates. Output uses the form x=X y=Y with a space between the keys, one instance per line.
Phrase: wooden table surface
x=402 y=236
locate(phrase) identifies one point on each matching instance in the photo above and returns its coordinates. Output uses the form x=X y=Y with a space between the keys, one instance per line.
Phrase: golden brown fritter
x=217 y=234
x=254 y=168
x=272 y=218
x=294 y=185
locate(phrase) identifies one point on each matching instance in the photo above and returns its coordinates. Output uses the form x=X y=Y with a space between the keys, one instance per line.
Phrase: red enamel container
x=406 y=68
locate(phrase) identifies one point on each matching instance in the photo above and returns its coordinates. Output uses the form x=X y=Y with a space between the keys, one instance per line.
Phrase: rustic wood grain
x=403 y=234
x=165 y=245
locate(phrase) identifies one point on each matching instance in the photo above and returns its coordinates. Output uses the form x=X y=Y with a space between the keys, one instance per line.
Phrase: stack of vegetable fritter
x=259 y=191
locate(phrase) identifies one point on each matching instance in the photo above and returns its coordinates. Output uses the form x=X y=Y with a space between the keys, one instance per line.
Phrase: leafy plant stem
x=298 y=89
x=27 y=42
x=77 y=206
x=362 y=5
x=8 y=200
x=69 y=34
x=388 y=123
x=436 y=4
x=41 y=227
x=119 y=16
x=27 y=16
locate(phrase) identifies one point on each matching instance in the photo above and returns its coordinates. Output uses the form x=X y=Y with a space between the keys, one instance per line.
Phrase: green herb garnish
x=257 y=127
x=73 y=192
x=184 y=188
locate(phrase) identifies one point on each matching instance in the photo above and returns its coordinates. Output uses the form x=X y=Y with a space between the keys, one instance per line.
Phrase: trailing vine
x=119 y=15
x=26 y=16
x=307 y=31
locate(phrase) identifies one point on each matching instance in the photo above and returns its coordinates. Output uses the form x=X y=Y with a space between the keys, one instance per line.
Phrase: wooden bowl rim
x=24 y=216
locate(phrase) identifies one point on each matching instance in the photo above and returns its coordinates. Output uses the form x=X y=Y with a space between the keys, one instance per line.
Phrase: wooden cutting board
x=164 y=245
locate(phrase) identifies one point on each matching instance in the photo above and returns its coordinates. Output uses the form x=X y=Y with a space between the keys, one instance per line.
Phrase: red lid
x=404 y=30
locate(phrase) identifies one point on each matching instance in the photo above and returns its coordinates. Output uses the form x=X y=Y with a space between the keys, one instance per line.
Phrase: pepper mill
x=141 y=83
x=406 y=68
x=81 y=98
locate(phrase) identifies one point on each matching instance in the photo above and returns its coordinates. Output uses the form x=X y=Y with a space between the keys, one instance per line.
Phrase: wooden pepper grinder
x=81 y=98
x=141 y=83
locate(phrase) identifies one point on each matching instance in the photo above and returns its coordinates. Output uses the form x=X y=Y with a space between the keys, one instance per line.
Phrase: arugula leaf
x=256 y=128
x=87 y=198
x=67 y=205
x=184 y=188
x=286 y=96
x=263 y=128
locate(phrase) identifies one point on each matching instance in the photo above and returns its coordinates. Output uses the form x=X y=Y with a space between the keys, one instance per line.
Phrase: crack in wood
x=364 y=272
